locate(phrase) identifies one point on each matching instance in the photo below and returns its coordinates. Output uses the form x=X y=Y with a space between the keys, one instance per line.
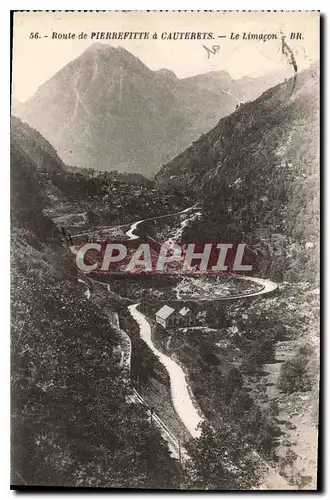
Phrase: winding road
x=266 y=286
x=186 y=410
x=181 y=399
x=131 y=232
x=183 y=404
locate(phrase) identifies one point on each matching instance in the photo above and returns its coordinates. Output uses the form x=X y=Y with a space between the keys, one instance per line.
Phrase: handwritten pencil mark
x=213 y=50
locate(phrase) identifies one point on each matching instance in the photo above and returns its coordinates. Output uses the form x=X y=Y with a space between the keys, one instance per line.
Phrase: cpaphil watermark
x=166 y=258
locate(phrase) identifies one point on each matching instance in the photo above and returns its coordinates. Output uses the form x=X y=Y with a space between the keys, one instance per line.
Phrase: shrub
x=259 y=354
x=294 y=374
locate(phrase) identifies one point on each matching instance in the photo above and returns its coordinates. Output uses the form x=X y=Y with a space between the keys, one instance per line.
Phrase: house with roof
x=185 y=313
x=168 y=317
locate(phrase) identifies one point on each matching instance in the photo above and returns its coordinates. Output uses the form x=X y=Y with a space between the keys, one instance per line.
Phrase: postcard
x=165 y=250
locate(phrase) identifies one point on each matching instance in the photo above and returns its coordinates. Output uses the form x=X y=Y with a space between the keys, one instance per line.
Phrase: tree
x=259 y=354
x=221 y=460
x=294 y=374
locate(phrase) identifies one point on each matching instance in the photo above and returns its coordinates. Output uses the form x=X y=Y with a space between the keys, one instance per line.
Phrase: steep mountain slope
x=257 y=177
x=72 y=424
x=35 y=146
x=107 y=110
x=33 y=164
x=257 y=170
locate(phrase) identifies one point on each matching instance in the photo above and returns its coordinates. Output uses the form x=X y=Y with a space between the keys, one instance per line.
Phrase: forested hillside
x=256 y=173
x=71 y=422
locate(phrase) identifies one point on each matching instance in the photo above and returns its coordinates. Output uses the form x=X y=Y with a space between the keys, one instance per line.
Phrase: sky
x=37 y=60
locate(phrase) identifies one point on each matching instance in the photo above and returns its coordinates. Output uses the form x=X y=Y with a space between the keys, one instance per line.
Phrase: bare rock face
x=107 y=110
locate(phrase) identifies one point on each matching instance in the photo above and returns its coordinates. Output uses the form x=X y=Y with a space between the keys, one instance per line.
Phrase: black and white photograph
x=165 y=248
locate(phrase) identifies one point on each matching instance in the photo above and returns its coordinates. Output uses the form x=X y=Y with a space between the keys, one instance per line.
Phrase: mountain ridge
x=107 y=110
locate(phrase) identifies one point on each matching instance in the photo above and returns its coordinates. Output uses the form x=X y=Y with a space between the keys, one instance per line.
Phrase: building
x=168 y=317
x=185 y=314
x=163 y=316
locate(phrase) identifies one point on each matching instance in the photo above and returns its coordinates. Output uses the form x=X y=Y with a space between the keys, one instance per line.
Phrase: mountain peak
x=103 y=109
x=106 y=48
x=100 y=47
x=166 y=73
x=117 y=55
